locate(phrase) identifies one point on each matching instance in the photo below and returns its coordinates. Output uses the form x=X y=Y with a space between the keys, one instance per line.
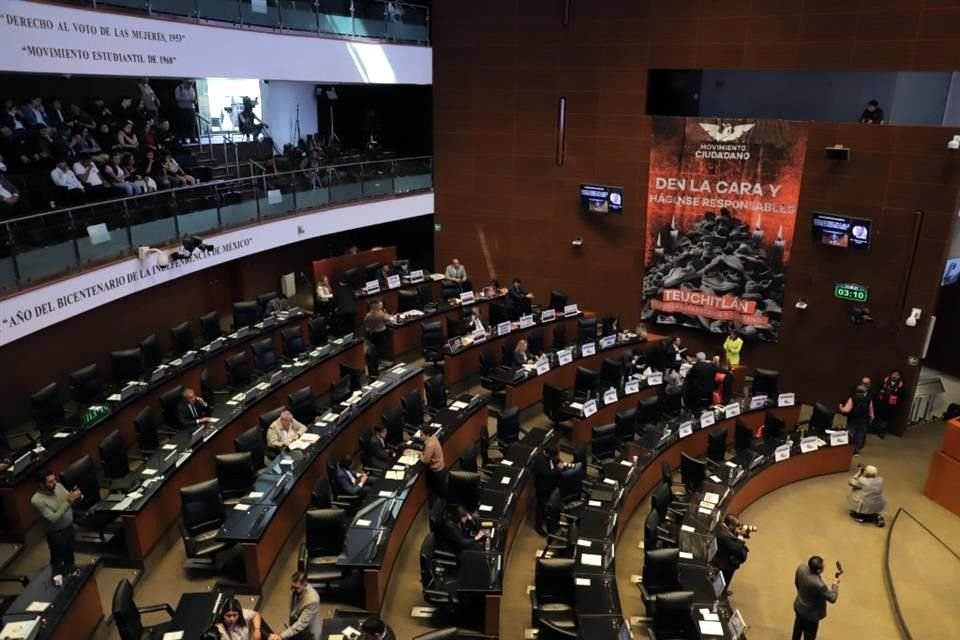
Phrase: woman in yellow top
x=731 y=347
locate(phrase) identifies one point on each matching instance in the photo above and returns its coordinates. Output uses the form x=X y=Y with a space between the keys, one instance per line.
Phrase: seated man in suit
x=284 y=431
x=280 y=303
x=192 y=410
x=468 y=529
x=517 y=298
x=698 y=386
x=379 y=453
x=349 y=481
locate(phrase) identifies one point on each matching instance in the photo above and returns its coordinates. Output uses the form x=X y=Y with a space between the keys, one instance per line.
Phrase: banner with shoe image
x=721 y=210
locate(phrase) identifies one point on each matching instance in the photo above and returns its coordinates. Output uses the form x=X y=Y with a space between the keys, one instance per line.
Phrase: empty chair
x=82 y=474
x=210 y=326
x=326 y=531
x=113 y=456
x=86 y=385
x=648 y=411
x=151 y=352
x=585 y=383
x=559 y=336
x=449 y=290
x=463 y=489
x=773 y=428
x=555 y=404
x=660 y=574
x=236 y=474
x=412 y=404
x=264 y=357
x=169 y=400
x=553 y=597
x=558 y=300
x=303 y=405
x=626 y=422
x=468 y=459
x=181 y=338
x=608 y=326
x=47 y=407
x=339 y=390
x=126 y=365
x=586 y=330
x=693 y=472
x=392 y=419
x=535 y=342
x=355 y=374
x=436 y=391
x=548 y=629
x=506 y=353
x=425 y=293
x=432 y=341
x=145 y=427
x=238 y=371
x=407 y=300
x=488 y=367
x=251 y=442
x=766 y=382
x=611 y=374
x=822 y=417
x=207 y=391
x=353 y=277
x=603 y=443
x=293 y=342
x=717 y=445
x=372 y=271
x=654 y=535
x=438 y=575
x=127 y=615
x=202 y=514
x=742 y=437
x=498 y=313
x=318 y=330
x=508 y=427
x=673 y=615
x=244 y=314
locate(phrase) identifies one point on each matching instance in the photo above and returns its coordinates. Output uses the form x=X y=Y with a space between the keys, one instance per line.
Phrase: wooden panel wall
x=507 y=209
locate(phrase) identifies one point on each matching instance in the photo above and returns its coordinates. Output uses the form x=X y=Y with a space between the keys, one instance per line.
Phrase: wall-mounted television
x=841 y=231
x=598 y=198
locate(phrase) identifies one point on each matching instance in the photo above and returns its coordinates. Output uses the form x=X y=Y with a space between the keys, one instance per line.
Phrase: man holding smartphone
x=55 y=505
x=813 y=595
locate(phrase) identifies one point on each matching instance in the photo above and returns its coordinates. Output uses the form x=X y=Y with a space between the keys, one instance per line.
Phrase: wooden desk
x=144 y=529
x=407 y=337
x=375 y=581
x=465 y=363
x=259 y=557
x=493 y=601
x=943 y=477
x=335 y=266
x=19 y=515
x=582 y=429
x=75 y=609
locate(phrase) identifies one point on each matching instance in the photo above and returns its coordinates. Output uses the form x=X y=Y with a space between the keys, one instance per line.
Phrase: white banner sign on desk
x=372 y=287
x=393 y=282
x=707 y=419
x=609 y=396
x=543 y=366
x=564 y=357
x=786 y=400
x=570 y=310
x=466 y=297
x=731 y=410
x=526 y=321
x=632 y=386
x=654 y=379
x=589 y=408
x=839 y=438
x=608 y=341
x=685 y=429
x=758 y=402
x=547 y=315
x=478 y=335
x=809 y=444
x=588 y=349
x=504 y=328
x=781 y=453
x=416 y=275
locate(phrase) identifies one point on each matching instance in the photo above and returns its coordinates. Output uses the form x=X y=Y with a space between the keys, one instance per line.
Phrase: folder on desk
x=23 y=630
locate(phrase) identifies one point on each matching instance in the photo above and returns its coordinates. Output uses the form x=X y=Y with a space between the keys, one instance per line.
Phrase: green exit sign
x=850 y=291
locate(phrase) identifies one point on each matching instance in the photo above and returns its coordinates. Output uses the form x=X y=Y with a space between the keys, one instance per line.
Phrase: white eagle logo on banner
x=726 y=132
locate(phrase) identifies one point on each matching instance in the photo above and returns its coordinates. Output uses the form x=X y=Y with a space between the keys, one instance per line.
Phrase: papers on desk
x=363 y=523
x=20 y=630
x=376 y=384
x=253 y=495
x=350 y=633
x=149 y=472
x=37 y=606
x=385 y=494
x=241 y=507
x=394 y=475
x=398 y=370
x=712 y=498
x=61 y=434
x=687 y=528
x=686 y=555
x=626 y=463
x=408 y=461
x=123 y=505
x=286 y=461
x=591 y=559
x=263 y=386
x=711 y=628
x=706 y=614
x=507 y=463
x=300 y=444
x=705 y=512
x=113 y=397
x=716 y=479
x=584 y=543
x=457 y=406
x=583 y=582
x=485 y=508
x=576 y=406
x=173 y=635
x=594 y=503
x=329 y=417
x=505 y=480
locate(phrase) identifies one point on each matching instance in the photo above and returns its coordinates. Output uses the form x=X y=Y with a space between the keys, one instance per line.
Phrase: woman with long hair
x=237 y=623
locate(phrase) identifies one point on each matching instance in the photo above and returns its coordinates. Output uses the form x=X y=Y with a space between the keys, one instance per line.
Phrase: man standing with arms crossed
x=813 y=594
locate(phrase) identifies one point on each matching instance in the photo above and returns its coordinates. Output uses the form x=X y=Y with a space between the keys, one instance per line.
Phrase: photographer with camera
x=731 y=549
x=810 y=605
x=865 y=500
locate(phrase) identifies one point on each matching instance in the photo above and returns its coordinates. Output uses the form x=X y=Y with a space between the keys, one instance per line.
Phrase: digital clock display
x=850 y=291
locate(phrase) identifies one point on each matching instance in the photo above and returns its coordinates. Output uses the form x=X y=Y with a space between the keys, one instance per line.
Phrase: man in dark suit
x=517 y=299
x=698 y=385
x=731 y=550
x=546 y=475
x=379 y=453
x=192 y=410
x=348 y=481
x=373 y=628
x=813 y=594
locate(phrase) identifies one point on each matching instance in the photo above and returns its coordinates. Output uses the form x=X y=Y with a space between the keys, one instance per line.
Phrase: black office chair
x=554 y=591
x=535 y=342
x=717 y=445
x=559 y=336
x=449 y=290
x=585 y=384
x=372 y=272
x=251 y=443
x=549 y=630
x=392 y=419
x=508 y=428
x=145 y=428
x=603 y=444
x=262 y=300
x=151 y=352
x=660 y=575
x=238 y=371
x=264 y=420
x=244 y=314
x=468 y=460
x=207 y=392
x=586 y=330
x=488 y=367
x=413 y=410
x=339 y=390
x=293 y=342
x=114 y=460
x=555 y=404
x=563 y=543
x=436 y=391
x=236 y=474
x=673 y=616
x=463 y=489
x=210 y=326
x=407 y=300
x=648 y=412
x=626 y=422
x=438 y=575
x=264 y=357
x=611 y=374
x=655 y=536
x=498 y=313
x=765 y=382
x=558 y=300
x=693 y=472
x=353 y=277
x=319 y=331
x=86 y=386
x=355 y=374
x=303 y=405
x=432 y=341
x=662 y=501
x=181 y=338
x=321 y=497
x=822 y=418
x=127 y=615
x=169 y=400
x=425 y=294
x=326 y=533
x=202 y=514
x=47 y=407
x=126 y=365
x=82 y=474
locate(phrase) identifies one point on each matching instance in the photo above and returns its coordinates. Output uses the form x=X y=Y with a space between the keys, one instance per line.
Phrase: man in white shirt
x=67 y=182
x=284 y=431
x=88 y=174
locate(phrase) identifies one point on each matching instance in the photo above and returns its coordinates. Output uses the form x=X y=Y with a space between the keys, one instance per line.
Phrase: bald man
x=455 y=271
x=284 y=431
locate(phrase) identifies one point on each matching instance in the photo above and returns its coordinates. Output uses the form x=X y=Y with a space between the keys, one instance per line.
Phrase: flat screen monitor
x=841 y=231
x=951 y=272
x=598 y=198
x=719 y=584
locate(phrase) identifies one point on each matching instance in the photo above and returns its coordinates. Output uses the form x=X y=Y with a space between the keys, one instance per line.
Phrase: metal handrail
x=177 y=190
